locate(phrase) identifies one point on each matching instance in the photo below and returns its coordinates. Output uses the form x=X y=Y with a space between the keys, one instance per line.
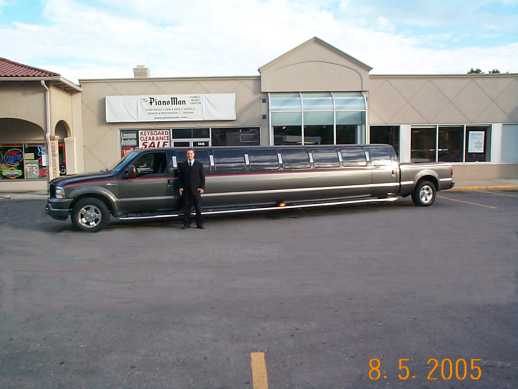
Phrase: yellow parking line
x=259 y=374
x=469 y=202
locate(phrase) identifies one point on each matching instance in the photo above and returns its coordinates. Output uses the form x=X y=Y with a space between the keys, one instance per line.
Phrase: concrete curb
x=473 y=188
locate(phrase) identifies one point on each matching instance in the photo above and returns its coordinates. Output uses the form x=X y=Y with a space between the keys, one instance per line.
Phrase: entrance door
x=200 y=142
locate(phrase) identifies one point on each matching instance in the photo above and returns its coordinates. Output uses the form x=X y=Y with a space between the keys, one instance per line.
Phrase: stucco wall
x=102 y=140
x=22 y=101
x=312 y=67
x=20 y=131
x=443 y=99
x=61 y=108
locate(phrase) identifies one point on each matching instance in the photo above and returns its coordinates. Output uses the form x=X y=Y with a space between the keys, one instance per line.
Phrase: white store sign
x=170 y=108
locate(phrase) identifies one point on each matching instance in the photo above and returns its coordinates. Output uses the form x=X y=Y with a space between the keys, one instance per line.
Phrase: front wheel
x=90 y=214
x=424 y=194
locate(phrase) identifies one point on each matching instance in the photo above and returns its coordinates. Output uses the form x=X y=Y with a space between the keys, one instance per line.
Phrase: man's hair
x=189 y=149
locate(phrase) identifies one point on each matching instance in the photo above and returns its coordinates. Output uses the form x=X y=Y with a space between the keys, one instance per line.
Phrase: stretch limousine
x=143 y=185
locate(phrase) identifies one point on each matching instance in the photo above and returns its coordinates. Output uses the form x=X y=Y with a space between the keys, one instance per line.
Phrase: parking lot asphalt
x=320 y=292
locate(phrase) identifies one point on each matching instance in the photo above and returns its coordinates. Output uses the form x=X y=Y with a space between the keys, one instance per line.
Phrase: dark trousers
x=189 y=199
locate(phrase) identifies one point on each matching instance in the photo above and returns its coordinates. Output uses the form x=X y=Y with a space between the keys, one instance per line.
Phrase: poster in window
x=476 y=140
x=32 y=168
x=11 y=162
x=151 y=139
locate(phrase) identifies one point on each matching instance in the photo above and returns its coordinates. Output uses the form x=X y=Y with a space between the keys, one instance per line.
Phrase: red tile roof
x=10 y=68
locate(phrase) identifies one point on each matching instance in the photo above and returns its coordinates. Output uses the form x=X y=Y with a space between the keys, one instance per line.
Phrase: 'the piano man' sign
x=170 y=108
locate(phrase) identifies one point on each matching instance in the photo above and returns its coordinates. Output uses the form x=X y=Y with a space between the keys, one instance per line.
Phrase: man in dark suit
x=191 y=185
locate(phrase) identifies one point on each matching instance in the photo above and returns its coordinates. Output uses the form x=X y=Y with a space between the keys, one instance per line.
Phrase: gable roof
x=321 y=42
x=9 y=68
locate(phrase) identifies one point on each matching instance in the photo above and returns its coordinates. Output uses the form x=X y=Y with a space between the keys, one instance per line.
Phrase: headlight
x=60 y=192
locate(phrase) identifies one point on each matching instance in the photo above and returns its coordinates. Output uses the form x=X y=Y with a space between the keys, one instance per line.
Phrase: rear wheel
x=90 y=214
x=424 y=194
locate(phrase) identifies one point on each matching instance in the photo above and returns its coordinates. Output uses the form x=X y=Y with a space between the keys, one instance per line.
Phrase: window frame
x=154 y=174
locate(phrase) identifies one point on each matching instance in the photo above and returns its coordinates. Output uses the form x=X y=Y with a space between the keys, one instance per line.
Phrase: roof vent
x=140 y=71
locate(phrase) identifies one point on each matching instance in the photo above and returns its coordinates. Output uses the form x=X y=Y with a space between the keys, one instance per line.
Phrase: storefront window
x=348 y=126
x=184 y=133
x=326 y=117
x=23 y=161
x=450 y=144
x=235 y=136
x=287 y=128
x=318 y=128
x=423 y=144
x=388 y=135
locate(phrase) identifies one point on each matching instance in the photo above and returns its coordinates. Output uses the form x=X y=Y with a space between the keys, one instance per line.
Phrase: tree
x=475 y=71
x=494 y=71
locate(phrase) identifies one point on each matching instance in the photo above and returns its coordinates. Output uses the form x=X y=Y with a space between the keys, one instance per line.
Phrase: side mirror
x=132 y=171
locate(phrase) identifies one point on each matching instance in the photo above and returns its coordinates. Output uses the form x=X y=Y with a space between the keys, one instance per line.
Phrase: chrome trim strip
x=446 y=179
x=407 y=182
x=153 y=198
x=291 y=190
x=364 y=201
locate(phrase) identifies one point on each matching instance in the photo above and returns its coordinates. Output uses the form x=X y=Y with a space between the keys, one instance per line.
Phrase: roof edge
x=50 y=73
x=66 y=83
x=323 y=43
x=445 y=75
x=187 y=78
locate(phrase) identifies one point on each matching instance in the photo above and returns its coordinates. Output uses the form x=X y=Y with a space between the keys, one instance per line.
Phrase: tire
x=424 y=194
x=90 y=214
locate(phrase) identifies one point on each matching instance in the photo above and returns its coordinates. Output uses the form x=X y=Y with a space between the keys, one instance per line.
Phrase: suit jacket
x=191 y=177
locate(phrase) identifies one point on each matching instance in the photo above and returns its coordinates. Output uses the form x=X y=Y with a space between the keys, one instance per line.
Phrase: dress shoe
x=185 y=226
x=200 y=227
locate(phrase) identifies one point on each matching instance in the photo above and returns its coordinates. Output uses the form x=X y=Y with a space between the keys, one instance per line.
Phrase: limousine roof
x=270 y=147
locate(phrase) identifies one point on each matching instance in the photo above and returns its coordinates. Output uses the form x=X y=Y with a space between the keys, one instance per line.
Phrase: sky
x=83 y=39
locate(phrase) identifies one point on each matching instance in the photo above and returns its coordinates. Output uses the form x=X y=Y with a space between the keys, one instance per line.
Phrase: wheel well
x=432 y=179
x=104 y=199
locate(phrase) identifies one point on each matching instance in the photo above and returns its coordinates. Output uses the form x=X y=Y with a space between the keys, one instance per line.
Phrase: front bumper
x=58 y=208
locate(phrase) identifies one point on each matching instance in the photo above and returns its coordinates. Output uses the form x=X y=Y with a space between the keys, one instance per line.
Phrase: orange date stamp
x=437 y=369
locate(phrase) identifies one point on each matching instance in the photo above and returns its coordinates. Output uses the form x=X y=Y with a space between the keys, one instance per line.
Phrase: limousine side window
x=325 y=158
x=263 y=159
x=229 y=160
x=201 y=155
x=353 y=156
x=295 y=159
x=151 y=163
x=381 y=156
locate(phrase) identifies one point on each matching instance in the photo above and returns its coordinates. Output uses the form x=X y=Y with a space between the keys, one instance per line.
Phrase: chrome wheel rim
x=426 y=194
x=90 y=216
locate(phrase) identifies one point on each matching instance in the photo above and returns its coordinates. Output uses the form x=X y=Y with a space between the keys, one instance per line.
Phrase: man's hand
x=200 y=190
x=180 y=191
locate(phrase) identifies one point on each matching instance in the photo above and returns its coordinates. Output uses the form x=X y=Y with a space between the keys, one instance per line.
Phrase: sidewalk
x=23 y=195
x=494 y=185
x=463 y=186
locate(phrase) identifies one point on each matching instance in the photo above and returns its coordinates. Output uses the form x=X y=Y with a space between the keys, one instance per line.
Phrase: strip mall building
x=313 y=94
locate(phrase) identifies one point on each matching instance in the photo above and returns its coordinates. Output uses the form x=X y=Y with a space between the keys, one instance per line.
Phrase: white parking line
x=468 y=202
x=497 y=194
